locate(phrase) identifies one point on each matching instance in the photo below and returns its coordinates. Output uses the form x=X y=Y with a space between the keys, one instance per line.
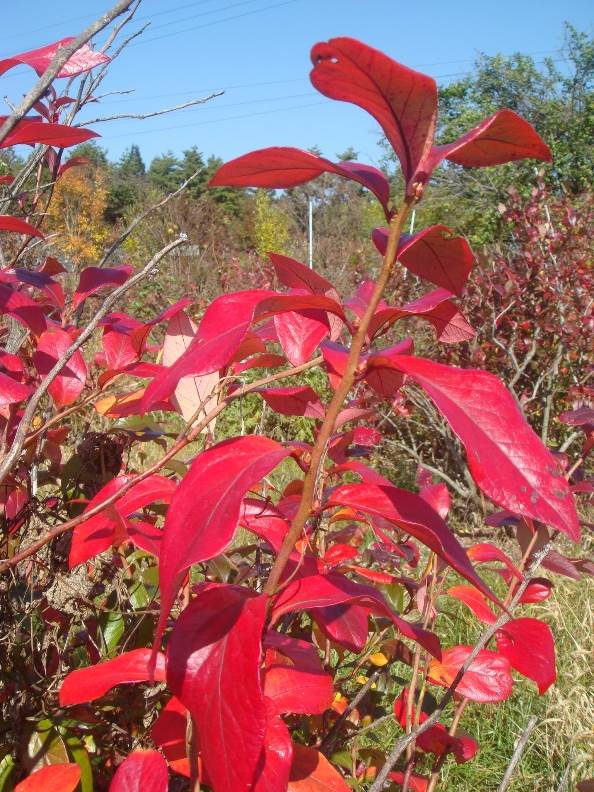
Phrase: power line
x=215 y=22
x=107 y=138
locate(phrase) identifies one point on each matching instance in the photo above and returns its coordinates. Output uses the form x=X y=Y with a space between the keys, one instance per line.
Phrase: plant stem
x=318 y=451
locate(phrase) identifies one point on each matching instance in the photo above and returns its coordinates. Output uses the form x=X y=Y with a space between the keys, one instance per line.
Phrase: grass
x=565 y=730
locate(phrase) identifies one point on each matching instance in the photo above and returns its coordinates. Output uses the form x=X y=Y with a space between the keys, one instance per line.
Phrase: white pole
x=310 y=231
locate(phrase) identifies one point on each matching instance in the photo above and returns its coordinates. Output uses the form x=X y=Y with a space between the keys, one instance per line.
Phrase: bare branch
x=106 y=306
x=58 y=61
x=142 y=116
x=518 y=751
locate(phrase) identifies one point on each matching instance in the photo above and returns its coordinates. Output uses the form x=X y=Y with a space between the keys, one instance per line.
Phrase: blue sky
x=257 y=51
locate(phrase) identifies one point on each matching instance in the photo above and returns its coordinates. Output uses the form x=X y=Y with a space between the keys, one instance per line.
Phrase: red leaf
x=530 y=648
x=9 y=223
x=213 y=667
x=23 y=309
x=475 y=601
x=141 y=771
x=503 y=137
x=94 y=278
x=295 y=681
x=39 y=59
x=295 y=275
x=169 y=734
x=319 y=591
x=55 y=777
x=538 y=590
x=484 y=552
x=278 y=755
x=99 y=532
x=223 y=327
x=416 y=783
x=284 y=166
x=403 y=101
x=205 y=509
x=312 y=772
x=12 y=391
x=88 y=684
x=413 y=515
x=70 y=382
x=506 y=458
x=487 y=680
x=300 y=333
x=434 y=254
x=435 y=307
x=298 y=400
x=29 y=132
x=191 y=393
x=347 y=625
x=73 y=162
x=118 y=348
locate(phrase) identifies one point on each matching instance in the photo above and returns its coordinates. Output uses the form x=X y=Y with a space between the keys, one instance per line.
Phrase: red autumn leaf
x=141 y=332
x=9 y=223
x=438 y=497
x=169 y=733
x=413 y=515
x=506 y=458
x=297 y=400
x=141 y=771
x=94 y=278
x=339 y=553
x=538 y=590
x=312 y=772
x=191 y=393
x=435 y=307
x=118 y=349
x=73 y=162
x=294 y=680
x=55 y=777
x=23 y=309
x=296 y=275
x=278 y=755
x=110 y=526
x=223 y=327
x=475 y=601
x=530 y=648
x=88 y=684
x=434 y=253
x=346 y=625
x=416 y=783
x=300 y=333
x=284 y=166
x=487 y=680
x=484 y=552
x=503 y=137
x=205 y=509
x=70 y=382
x=39 y=59
x=320 y=591
x=403 y=101
x=265 y=521
x=31 y=132
x=213 y=667
x=12 y=391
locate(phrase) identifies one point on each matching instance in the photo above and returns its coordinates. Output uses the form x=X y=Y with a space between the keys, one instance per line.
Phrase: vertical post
x=310 y=231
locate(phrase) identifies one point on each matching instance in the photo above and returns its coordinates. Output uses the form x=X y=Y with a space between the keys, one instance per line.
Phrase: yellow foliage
x=76 y=214
x=271 y=230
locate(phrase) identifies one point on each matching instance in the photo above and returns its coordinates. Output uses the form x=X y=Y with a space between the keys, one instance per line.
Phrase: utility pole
x=310 y=231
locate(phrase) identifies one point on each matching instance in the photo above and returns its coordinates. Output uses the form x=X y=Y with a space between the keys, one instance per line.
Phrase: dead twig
x=143 y=116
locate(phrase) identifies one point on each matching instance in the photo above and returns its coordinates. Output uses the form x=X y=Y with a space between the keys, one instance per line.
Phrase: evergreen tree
x=165 y=172
x=131 y=163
